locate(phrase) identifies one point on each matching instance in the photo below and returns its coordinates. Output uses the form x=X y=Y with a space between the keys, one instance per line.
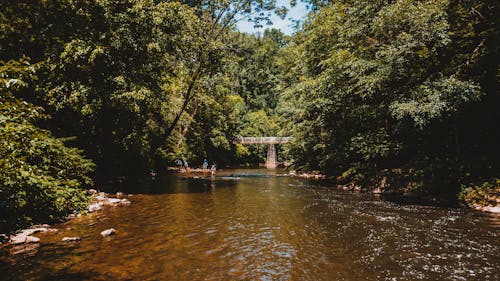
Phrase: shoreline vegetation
x=484 y=198
x=15 y=240
x=401 y=96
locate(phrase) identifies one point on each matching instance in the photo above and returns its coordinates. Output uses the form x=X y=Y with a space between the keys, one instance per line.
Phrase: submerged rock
x=25 y=249
x=71 y=239
x=108 y=232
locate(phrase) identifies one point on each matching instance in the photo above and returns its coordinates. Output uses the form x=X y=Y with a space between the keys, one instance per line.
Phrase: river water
x=257 y=225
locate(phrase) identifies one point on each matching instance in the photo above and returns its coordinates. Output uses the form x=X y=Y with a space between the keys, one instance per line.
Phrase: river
x=253 y=224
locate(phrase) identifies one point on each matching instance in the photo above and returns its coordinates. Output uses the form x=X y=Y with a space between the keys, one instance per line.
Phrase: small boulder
x=95 y=207
x=3 y=238
x=108 y=232
x=30 y=231
x=112 y=201
x=101 y=197
x=21 y=239
x=92 y=191
x=71 y=239
x=489 y=209
x=116 y=201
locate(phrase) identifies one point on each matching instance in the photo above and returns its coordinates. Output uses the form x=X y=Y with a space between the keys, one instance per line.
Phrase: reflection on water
x=253 y=225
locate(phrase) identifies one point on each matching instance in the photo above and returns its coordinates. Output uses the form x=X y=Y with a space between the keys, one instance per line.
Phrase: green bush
x=481 y=194
x=41 y=179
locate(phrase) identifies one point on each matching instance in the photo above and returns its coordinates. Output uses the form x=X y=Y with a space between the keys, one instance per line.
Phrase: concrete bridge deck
x=263 y=140
x=271 y=162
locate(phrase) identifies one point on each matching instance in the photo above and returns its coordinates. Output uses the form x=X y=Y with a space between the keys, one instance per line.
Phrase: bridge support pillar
x=271 y=161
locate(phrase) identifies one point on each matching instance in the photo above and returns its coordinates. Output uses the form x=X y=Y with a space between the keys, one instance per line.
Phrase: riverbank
x=483 y=197
x=264 y=225
x=100 y=200
x=398 y=183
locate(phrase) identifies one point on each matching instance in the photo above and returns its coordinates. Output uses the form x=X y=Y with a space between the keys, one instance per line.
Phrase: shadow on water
x=248 y=224
x=173 y=183
x=169 y=184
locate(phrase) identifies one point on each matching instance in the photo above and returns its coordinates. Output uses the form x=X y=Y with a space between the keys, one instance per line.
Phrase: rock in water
x=20 y=239
x=71 y=239
x=3 y=238
x=108 y=232
x=30 y=231
x=95 y=207
x=112 y=201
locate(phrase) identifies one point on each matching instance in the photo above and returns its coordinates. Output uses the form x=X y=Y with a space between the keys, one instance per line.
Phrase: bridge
x=271 y=161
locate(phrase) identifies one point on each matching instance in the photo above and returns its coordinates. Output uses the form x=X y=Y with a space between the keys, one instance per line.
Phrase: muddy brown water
x=257 y=225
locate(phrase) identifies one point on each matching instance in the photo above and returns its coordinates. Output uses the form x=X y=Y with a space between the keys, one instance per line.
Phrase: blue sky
x=298 y=12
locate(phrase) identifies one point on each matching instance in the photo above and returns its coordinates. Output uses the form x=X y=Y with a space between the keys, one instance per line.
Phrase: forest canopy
x=92 y=90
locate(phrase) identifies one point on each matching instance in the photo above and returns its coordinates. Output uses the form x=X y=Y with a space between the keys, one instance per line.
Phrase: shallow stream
x=257 y=225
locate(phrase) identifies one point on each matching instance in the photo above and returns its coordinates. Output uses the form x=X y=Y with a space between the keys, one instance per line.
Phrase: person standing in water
x=213 y=169
x=205 y=164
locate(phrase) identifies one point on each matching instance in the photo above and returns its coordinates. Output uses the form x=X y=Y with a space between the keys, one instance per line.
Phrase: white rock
x=71 y=239
x=101 y=198
x=112 y=201
x=92 y=191
x=489 y=209
x=95 y=207
x=116 y=201
x=125 y=202
x=34 y=230
x=20 y=239
x=108 y=232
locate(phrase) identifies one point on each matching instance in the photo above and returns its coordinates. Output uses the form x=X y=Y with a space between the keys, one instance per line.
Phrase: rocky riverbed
x=19 y=242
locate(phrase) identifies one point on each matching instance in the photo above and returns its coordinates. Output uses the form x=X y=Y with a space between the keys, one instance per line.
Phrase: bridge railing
x=262 y=140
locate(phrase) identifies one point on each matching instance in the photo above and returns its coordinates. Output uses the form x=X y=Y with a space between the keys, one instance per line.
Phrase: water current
x=254 y=224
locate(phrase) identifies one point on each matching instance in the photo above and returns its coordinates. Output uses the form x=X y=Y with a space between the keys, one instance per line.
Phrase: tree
x=388 y=85
x=41 y=178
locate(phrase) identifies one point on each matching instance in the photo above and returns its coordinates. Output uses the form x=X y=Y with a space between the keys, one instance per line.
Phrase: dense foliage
x=380 y=85
x=40 y=177
x=135 y=84
x=366 y=88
